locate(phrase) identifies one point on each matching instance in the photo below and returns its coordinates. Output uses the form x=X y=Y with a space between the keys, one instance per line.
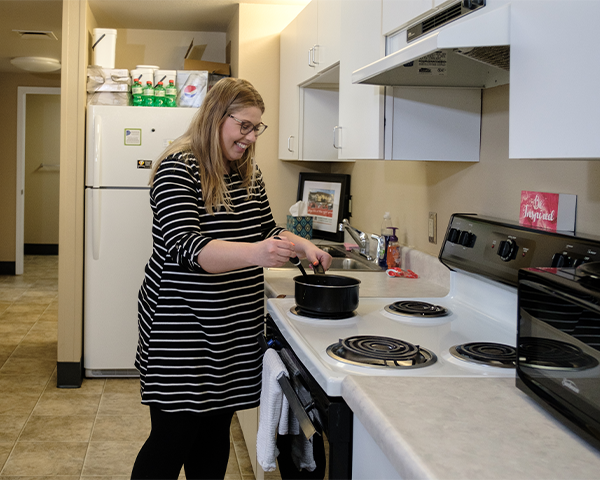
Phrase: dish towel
x=271 y=403
x=302 y=450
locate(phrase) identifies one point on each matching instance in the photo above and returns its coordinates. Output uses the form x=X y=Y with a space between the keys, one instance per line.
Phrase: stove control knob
x=578 y=261
x=453 y=235
x=507 y=249
x=467 y=239
x=561 y=260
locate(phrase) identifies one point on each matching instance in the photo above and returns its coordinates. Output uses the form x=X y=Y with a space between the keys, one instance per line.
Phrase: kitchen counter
x=433 y=281
x=467 y=428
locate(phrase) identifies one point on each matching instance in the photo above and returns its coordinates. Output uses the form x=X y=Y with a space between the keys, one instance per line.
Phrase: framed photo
x=328 y=198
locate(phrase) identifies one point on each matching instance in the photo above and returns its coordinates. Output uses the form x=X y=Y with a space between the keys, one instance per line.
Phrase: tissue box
x=301 y=226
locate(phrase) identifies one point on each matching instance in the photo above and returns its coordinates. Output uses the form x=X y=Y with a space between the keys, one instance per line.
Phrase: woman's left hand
x=315 y=256
x=305 y=248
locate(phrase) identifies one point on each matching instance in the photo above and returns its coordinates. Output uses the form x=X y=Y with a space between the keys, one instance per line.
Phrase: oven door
x=334 y=424
x=558 y=360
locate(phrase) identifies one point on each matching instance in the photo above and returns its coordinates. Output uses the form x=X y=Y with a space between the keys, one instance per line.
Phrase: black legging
x=199 y=443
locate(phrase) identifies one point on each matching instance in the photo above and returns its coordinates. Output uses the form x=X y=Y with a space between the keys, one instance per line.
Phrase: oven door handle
x=298 y=410
x=562 y=295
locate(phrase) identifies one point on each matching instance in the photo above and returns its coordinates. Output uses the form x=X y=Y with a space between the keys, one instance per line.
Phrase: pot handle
x=318 y=269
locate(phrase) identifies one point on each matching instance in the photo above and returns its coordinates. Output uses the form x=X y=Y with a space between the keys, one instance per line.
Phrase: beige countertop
x=466 y=428
x=372 y=284
x=433 y=281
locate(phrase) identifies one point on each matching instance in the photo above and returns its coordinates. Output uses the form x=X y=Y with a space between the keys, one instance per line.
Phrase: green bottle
x=148 y=95
x=171 y=97
x=136 y=92
x=160 y=95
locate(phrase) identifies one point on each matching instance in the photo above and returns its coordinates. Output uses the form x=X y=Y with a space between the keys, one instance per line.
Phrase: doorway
x=38 y=166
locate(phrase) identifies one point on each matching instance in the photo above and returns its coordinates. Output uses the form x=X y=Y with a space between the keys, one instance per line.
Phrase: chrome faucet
x=361 y=238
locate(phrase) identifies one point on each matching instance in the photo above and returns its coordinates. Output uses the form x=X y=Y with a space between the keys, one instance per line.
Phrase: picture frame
x=329 y=202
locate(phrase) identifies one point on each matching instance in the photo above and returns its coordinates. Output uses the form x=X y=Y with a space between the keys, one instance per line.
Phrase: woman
x=201 y=302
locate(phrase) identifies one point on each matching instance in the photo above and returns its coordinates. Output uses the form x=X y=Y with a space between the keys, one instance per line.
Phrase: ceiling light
x=36 y=64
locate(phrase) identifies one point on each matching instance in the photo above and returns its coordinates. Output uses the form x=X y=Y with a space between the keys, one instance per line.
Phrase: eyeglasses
x=247 y=127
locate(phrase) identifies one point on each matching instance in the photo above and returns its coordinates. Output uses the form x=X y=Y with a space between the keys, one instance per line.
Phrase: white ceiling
x=46 y=15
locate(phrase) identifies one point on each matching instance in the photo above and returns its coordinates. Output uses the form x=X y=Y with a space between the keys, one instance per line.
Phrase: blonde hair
x=202 y=139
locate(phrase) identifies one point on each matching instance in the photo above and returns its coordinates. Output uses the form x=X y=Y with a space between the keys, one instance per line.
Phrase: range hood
x=462 y=43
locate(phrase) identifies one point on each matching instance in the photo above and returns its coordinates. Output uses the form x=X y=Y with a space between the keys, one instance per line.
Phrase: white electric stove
x=471 y=332
x=470 y=316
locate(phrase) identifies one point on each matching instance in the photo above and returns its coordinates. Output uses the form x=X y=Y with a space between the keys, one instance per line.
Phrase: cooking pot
x=326 y=294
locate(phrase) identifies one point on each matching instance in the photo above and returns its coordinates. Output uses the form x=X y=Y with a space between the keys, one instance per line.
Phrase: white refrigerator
x=122 y=143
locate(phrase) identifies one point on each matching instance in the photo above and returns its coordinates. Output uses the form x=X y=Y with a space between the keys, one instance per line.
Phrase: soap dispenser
x=393 y=250
x=383 y=240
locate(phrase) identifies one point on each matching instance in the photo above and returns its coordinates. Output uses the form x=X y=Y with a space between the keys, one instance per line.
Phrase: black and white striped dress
x=197 y=348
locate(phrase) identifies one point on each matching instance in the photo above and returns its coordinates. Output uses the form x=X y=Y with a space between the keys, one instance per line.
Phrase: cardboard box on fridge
x=210 y=67
x=193 y=61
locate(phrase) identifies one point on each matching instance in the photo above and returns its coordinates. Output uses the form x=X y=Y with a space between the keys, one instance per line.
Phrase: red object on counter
x=398 y=272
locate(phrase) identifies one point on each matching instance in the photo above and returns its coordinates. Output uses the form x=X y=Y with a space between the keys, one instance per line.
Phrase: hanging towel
x=302 y=448
x=271 y=402
x=288 y=424
x=303 y=452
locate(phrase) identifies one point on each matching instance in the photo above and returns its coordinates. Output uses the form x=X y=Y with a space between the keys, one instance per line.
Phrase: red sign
x=548 y=211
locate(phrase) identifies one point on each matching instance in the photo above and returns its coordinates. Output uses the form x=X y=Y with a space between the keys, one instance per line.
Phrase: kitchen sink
x=342 y=260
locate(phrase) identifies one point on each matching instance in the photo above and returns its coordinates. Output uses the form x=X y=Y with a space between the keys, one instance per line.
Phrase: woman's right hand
x=273 y=252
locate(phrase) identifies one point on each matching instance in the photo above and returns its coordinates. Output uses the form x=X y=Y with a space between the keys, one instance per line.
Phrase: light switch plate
x=432 y=227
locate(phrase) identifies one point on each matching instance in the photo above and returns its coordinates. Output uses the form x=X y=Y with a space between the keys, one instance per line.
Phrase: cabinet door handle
x=310 y=56
x=335 y=129
x=289 y=143
x=314 y=62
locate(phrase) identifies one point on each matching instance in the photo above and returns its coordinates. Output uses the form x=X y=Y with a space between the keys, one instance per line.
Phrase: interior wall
x=492 y=187
x=164 y=48
x=257 y=60
x=8 y=158
x=42 y=160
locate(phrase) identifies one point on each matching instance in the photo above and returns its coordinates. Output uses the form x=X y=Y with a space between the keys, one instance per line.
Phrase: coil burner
x=411 y=308
x=548 y=354
x=486 y=353
x=376 y=351
x=296 y=310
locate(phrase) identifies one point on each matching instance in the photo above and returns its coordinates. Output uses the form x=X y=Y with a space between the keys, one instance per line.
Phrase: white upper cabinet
x=433 y=124
x=329 y=23
x=307 y=40
x=325 y=117
x=289 y=93
x=408 y=124
x=554 y=80
x=361 y=107
x=318 y=27
x=309 y=53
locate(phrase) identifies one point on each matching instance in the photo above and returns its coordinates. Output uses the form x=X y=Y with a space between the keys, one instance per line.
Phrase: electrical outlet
x=432 y=227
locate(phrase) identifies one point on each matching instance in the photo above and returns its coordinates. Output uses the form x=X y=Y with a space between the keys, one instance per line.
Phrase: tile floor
x=93 y=432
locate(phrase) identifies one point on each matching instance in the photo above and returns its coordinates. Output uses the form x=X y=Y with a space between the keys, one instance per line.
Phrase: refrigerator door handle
x=97 y=150
x=95 y=223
